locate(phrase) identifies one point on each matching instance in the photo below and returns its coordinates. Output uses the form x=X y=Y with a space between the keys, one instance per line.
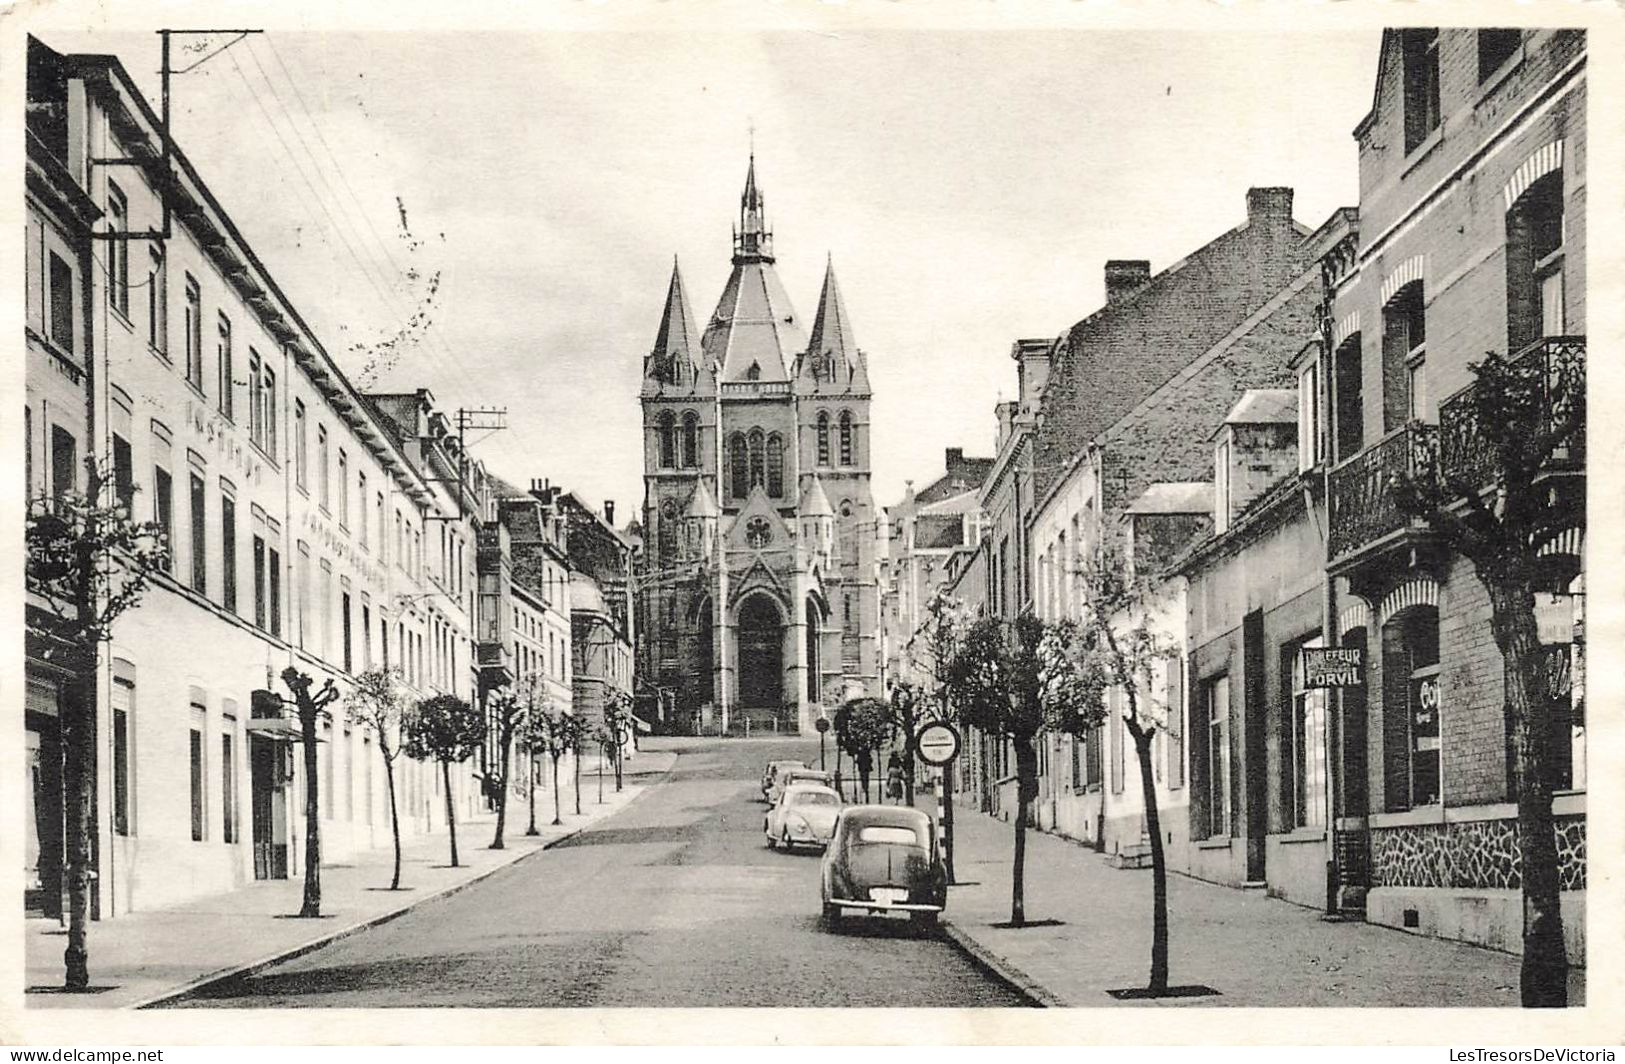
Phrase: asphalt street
x=673 y=902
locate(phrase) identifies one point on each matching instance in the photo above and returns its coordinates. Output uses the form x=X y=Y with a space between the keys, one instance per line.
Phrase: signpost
x=1333 y=667
x=938 y=744
x=822 y=724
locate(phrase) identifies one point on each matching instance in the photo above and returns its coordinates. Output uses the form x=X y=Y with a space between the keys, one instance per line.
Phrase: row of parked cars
x=877 y=858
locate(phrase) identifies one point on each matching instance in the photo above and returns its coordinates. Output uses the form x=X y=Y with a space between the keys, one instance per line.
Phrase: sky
x=967 y=186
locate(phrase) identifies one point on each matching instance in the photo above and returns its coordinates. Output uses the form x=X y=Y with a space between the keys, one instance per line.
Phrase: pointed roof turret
x=702 y=503
x=753 y=241
x=832 y=353
x=676 y=355
x=814 y=503
x=754 y=332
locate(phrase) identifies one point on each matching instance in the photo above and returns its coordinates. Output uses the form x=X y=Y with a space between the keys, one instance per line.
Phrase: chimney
x=609 y=512
x=955 y=457
x=1269 y=206
x=1124 y=277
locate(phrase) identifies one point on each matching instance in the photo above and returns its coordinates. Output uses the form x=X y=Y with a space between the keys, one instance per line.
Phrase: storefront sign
x=1333 y=667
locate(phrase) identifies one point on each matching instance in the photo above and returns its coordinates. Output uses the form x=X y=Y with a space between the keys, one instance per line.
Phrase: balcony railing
x=1362 y=498
x=1555 y=369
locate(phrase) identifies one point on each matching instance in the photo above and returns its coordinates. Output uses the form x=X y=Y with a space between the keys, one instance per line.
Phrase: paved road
x=675 y=901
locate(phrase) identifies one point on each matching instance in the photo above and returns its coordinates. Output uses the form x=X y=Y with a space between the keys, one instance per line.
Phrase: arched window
x=775 y=465
x=691 y=440
x=665 y=441
x=846 y=437
x=823 y=438
x=758 y=464
x=1535 y=295
x=738 y=467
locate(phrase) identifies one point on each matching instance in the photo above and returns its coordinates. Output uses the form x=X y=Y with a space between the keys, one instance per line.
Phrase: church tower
x=760 y=597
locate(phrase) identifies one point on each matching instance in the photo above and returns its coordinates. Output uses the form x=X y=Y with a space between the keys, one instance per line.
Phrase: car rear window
x=814 y=798
x=883 y=833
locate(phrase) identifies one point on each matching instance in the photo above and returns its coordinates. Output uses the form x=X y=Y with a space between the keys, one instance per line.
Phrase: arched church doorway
x=761 y=654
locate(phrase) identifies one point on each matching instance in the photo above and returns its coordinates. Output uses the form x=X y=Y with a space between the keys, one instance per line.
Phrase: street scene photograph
x=788 y=519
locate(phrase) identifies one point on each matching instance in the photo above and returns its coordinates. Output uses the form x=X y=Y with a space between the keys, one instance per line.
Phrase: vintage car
x=883 y=858
x=797 y=774
x=771 y=772
x=803 y=816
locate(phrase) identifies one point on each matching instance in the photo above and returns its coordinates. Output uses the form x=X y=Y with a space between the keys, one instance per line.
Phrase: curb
x=238 y=970
x=1001 y=969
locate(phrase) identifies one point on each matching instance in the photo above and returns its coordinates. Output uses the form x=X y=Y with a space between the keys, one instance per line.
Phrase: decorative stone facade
x=1476 y=855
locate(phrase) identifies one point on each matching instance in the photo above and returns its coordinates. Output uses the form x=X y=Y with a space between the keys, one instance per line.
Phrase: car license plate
x=887 y=895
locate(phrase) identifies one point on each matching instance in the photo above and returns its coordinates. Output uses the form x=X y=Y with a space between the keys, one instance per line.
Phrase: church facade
x=759 y=595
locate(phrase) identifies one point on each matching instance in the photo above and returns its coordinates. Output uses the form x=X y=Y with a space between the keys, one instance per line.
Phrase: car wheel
x=832 y=915
x=772 y=843
x=925 y=923
x=784 y=840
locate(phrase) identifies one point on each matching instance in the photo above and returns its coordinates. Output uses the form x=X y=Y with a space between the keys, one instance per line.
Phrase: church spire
x=753 y=241
x=676 y=353
x=832 y=353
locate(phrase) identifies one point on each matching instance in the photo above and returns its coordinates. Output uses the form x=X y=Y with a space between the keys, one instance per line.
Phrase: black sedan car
x=883 y=859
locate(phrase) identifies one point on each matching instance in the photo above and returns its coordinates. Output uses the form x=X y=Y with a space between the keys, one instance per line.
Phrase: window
x=775 y=465
x=64 y=461
x=123 y=708
x=228 y=552
x=738 y=467
x=1221 y=483
x=325 y=754
x=228 y=780
x=691 y=440
x=261 y=592
x=366 y=632
x=361 y=504
x=223 y=358
x=1216 y=704
x=665 y=440
x=378 y=512
x=823 y=438
x=200 y=537
x=345 y=632
x=344 y=489
x=1114 y=721
x=323 y=475
x=1404 y=358
x=268 y=423
x=118 y=251
x=123 y=472
x=349 y=774
x=1421 y=59
x=195 y=737
x=163 y=511
x=61 y=303
x=301 y=456
x=1495 y=47
x=846 y=438
x=256 y=402
x=758 y=458
x=400 y=541
x=324 y=609
x=1425 y=701
x=194 y=333
x=1308 y=416
x=1347 y=377
x=157 y=302
x=1305 y=736
x=273 y=565
x=1535 y=288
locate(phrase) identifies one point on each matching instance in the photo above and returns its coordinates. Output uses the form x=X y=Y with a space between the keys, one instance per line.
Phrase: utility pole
x=722 y=569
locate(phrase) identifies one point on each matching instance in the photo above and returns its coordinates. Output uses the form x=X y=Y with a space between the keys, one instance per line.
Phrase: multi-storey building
x=1471 y=239
x=601 y=561
x=761 y=586
x=160 y=345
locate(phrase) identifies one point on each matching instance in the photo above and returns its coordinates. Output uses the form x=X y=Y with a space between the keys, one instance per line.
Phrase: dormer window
x=1308 y=415
x=754 y=373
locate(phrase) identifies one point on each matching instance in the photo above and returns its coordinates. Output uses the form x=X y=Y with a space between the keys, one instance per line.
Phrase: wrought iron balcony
x=1363 y=510
x=1555 y=369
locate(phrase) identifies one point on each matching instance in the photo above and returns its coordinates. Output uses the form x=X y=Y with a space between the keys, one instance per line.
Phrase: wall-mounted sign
x=1333 y=667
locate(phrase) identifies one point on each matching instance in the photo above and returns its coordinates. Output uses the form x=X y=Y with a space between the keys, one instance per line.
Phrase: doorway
x=761 y=654
x=270 y=810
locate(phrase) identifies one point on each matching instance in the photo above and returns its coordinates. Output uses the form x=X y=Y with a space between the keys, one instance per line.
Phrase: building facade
x=760 y=586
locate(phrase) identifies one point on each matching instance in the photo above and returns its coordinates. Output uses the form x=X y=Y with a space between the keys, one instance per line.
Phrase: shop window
x=1304 y=741
x=1216 y=714
x=228 y=773
x=195 y=748
x=1413 y=706
x=64 y=462
x=123 y=704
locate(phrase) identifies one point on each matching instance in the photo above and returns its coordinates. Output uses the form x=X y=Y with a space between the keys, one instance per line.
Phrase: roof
x=832 y=353
x=701 y=503
x=753 y=325
x=814 y=503
x=585 y=594
x=1182 y=497
x=1265 y=406
x=676 y=351
x=939 y=530
x=965 y=475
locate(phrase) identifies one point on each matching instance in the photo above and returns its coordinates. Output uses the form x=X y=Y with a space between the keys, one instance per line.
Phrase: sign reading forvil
x=1333 y=667
x=938 y=744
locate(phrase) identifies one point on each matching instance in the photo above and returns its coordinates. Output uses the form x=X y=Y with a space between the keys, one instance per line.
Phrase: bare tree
x=535 y=737
x=90 y=563
x=378 y=701
x=574 y=731
x=1487 y=496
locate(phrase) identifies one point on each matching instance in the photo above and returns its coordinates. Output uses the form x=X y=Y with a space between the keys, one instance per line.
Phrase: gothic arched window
x=665 y=440
x=846 y=437
x=823 y=438
x=669 y=528
x=758 y=464
x=738 y=467
x=775 y=465
x=691 y=440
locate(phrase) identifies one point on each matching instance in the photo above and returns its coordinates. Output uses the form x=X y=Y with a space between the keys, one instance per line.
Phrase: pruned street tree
x=1015 y=681
x=377 y=700
x=446 y=729
x=573 y=732
x=862 y=727
x=1496 y=494
x=618 y=720
x=89 y=562
x=534 y=738
x=931 y=650
x=506 y=709
x=1116 y=646
x=310 y=707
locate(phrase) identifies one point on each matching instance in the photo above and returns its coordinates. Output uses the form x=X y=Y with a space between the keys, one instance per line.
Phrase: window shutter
x=1175 y=697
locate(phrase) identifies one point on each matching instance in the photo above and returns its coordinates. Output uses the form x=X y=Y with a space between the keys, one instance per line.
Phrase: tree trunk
x=312 y=906
x=1544 y=975
x=530 y=789
x=1026 y=791
x=502 y=796
x=451 y=814
x=576 y=775
x=394 y=820
x=557 y=819
x=1159 y=864
x=78 y=784
x=948 y=820
x=617 y=767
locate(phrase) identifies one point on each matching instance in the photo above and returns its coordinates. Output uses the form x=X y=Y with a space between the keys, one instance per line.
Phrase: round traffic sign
x=937 y=743
x=822 y=724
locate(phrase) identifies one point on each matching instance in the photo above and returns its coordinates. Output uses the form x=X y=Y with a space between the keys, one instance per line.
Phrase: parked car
x=803 y=816
x=883 y=858
x=789 y=776
x=771 y=772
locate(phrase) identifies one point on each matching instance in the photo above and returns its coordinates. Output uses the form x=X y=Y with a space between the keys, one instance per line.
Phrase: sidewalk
x=1255 y=950
x=147 y=956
